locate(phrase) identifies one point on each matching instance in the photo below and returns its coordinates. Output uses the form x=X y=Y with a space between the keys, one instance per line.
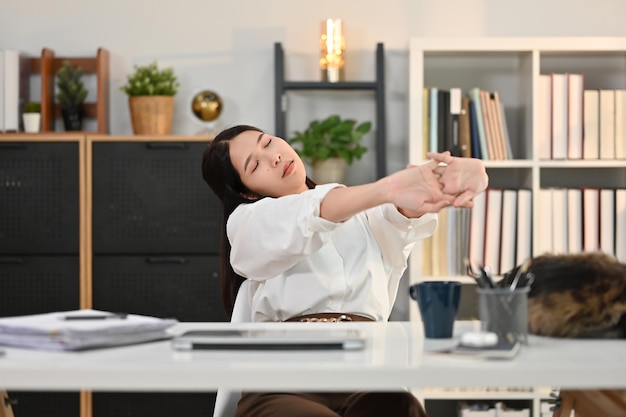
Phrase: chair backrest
x=226 y=403
x=226 y=400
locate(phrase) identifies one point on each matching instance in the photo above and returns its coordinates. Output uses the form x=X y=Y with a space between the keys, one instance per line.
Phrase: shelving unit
x=48 y=64
x=282 y=86
x=512 y=67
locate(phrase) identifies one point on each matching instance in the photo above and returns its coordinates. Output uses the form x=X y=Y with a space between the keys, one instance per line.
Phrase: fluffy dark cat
x=577 y=295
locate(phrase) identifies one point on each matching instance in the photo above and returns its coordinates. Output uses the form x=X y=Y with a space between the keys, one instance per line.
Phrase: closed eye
x=269 y=141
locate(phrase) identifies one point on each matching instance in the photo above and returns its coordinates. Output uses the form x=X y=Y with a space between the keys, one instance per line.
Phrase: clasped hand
x=444 y=180
x=462 y=178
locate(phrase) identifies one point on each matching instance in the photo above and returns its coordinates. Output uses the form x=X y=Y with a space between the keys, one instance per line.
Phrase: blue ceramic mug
x=438 y=302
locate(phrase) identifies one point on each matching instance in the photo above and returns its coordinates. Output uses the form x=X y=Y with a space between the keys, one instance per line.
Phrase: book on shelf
x=433 y=118
x=559 y=115
x=544 y=222
x=620 y=224
x=443 y=120
x=488 y=132
x=620 y=124
x=591 y=219
x=454 y=142
x=16 y=88
x=492 y=146
x=465 y=134
x=458 y=239
x=452 y=245
x=474 y=137
x=607 y=221
x=559 y=220
x=575 y=116
x=503 y=132
x=474 y=95
x=607 y=124
x=425 y=122
x=509 y=230
x=81 y=329
x=477 y=231
x=439 y=244
x=544 y=122
x=493 y=229
x=591 y=124
x=497 y=126
x=524 y=225
x=574 y=220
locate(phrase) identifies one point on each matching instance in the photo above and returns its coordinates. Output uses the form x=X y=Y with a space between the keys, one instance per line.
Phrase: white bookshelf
x=512 y=67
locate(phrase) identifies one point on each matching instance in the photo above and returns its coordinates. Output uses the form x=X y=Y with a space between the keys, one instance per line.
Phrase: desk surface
x=393 y=358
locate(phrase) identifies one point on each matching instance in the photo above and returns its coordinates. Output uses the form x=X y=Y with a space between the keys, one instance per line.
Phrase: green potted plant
x=71 y=94
x=31 y=117
x=151 y=94
x=330 y=145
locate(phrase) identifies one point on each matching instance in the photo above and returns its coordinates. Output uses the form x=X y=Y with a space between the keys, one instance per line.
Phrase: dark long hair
x=220 y=174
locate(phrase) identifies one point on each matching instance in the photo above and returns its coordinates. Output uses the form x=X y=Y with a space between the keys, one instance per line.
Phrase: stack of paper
x=81 y=329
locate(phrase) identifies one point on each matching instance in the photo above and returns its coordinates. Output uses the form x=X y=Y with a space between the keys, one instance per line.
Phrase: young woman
x=294 y=251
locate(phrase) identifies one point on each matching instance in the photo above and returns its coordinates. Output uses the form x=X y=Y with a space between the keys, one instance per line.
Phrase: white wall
x=227 y=46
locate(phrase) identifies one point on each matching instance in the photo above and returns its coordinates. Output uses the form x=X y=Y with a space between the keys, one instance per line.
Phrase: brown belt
x=329 y=318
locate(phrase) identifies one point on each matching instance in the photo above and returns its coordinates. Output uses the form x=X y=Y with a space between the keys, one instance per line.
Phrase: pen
x=485 y=275
x=118 y=316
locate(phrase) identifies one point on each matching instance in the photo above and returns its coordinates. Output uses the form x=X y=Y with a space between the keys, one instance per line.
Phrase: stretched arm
x=414 y=190
x=463 y=178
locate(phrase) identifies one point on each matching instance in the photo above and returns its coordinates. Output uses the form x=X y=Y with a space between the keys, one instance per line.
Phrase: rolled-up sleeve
x=272 y=235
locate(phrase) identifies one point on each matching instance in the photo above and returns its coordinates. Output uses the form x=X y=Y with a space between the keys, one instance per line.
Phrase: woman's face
x=267 y=165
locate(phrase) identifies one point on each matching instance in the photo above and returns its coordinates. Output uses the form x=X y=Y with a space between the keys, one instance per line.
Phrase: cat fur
x=576 y=295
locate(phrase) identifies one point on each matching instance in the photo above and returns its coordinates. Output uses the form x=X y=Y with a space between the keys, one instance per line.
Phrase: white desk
x=393 y=359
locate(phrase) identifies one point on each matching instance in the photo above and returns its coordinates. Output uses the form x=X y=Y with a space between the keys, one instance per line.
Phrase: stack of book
x=579 y=123
x=81 y=329
x=471 y=124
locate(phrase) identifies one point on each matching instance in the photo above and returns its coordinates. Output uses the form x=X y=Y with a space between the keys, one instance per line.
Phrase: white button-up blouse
x=298 y=263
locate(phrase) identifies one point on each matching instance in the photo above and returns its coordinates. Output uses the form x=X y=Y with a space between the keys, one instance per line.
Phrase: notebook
x=270 y=339
x=502 y=350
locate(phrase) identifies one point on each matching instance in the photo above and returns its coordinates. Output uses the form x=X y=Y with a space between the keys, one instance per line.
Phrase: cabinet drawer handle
x=166 y=260
x=166 y=145
x=11 y=260
x=12 y=145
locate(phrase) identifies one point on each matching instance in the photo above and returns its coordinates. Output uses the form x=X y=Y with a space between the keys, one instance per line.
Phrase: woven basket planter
x=151 y=115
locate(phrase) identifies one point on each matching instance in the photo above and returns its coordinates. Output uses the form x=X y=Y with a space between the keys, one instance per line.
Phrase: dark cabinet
x=149 y=198
x=155 y=234
x=41 y=201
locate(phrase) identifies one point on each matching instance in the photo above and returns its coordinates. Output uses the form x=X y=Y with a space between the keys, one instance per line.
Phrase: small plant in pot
x=151 y=94
x=330 y=145
x=31 y=117
x=71 y=95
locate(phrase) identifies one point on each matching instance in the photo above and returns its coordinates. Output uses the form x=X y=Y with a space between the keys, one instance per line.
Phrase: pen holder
x=504 y=312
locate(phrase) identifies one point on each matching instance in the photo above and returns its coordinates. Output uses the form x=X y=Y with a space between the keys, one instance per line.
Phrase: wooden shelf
x=47 y=65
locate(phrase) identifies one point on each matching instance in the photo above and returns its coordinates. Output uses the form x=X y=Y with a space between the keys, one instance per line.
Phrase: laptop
x=271 y=339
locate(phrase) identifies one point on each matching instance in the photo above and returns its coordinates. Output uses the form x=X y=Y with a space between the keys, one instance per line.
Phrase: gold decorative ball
x=207 y=105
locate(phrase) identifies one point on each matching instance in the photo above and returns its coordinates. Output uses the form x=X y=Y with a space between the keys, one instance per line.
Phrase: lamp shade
x=332 y=50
